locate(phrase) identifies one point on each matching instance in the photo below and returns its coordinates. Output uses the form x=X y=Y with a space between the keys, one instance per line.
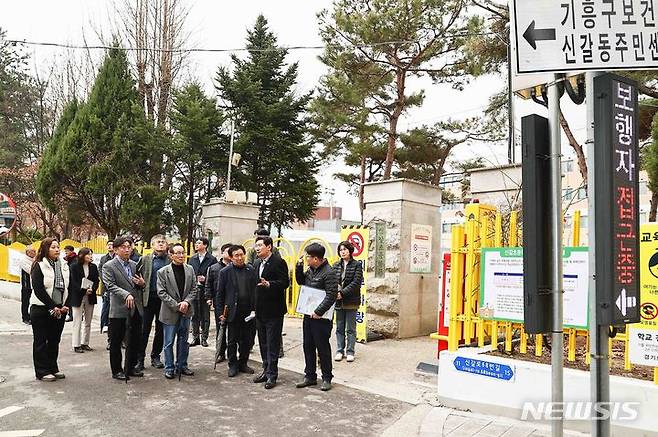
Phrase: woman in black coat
x=350 y=278
x=84 y=284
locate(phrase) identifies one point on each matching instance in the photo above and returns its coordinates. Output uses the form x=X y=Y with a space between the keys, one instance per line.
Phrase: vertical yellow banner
x=643 y=336
x=358 y=235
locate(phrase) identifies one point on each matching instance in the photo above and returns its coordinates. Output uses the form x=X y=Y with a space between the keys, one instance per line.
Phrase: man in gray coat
x=177 y=290
x=124 y=286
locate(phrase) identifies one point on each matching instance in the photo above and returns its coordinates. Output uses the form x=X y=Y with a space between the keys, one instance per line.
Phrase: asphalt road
x=89 y=403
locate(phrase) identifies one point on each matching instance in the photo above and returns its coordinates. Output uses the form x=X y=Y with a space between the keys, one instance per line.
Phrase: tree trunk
x=190 y=208
x=580 y=155
x=393 y=122
x=362 y=180
x=654 y=205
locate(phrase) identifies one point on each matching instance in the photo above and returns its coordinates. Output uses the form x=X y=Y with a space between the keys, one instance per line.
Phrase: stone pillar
x=402 y=302
x=229 y=222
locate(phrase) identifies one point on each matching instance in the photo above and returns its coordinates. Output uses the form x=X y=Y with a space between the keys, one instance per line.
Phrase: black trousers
x=201 y=318
x=47 y=332
x=240 y=334
x=269 y=341
x=222 y=344
x=151 y=312
x=316 y=338
x=26 y=292
x=119 y=329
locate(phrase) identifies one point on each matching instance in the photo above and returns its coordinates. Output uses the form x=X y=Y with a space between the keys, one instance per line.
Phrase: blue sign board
x=484 y=368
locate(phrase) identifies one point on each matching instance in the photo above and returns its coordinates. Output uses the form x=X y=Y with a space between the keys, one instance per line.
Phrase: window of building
x=567 y=166
x=643 y=188
x=582 y=193
x=567 y=194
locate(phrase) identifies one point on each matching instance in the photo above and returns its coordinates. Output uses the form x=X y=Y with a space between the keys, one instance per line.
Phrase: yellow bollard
x=457 y=278
x=655 y=375
x=576 y=229
x=494 y=335
x=571 y=356
x=539 y=345
x=523 y=346
x=588 y=358
x=508 y=337
x=513 y=229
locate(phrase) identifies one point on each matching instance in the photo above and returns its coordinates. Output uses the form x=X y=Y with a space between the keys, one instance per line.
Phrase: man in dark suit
x=236 y=288
x=270 y=307
x=124 y=286
x=210 y=291
x=148 y=267
x=200 y=262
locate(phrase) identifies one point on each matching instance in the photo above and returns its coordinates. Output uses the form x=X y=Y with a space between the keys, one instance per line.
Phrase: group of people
x=246 y=290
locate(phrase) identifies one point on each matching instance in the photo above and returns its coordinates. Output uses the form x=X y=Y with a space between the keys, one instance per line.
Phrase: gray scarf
x=58 y=292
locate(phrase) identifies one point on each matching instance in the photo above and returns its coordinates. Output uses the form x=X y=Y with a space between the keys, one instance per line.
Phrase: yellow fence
x=483 y=229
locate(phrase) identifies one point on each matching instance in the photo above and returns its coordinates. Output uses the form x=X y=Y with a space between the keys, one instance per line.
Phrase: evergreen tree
x=200 y=152
x=98 y=156
x=278 y=164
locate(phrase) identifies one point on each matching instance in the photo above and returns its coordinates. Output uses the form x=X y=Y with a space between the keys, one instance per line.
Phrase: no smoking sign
x=357 y=240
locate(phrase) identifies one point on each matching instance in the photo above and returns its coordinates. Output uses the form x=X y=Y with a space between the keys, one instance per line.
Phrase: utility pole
x=557 y=335
x=230 y=157
x=599 y=369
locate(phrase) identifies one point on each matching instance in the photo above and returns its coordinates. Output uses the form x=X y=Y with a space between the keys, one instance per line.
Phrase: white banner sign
x=15 y=258
x=501 y=291
x=571 y=35
x=420 y=257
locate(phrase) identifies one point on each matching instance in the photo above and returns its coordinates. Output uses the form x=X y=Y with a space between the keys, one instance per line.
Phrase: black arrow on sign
x=532 y=35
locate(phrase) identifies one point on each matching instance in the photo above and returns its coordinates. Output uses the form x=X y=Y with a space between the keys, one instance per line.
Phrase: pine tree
x=201 y=154
x=96 y=162
x=278 y=163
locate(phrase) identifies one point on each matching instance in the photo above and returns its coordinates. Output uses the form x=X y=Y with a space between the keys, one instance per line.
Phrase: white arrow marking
x=9 y=410
x=22 y=433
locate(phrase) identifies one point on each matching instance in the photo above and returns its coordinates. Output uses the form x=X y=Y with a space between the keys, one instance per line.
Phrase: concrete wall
x=229 y=222
x=402 y=304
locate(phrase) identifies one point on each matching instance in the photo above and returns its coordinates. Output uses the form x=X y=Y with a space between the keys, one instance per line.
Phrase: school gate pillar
x=228 y=222
x=404 y=257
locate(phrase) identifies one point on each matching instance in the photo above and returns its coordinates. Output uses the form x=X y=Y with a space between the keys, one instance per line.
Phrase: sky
x=220 y=24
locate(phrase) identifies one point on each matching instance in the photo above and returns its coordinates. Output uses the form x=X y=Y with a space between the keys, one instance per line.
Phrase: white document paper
x=86 y=284
x=309 y=299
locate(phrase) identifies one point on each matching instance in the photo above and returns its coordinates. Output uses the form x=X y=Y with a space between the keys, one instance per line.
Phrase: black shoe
x=221 y=359
x=136 y=373
x=260 y=378
x=120 y=376
x=232 y=371
x=155 y=362
x=107 y=348
x=195 y=342
x=186 y=371
x=326 y=386
x=27 y=322
x=86 y=348
x=306 y=383
x=281 y=354
x=78 y=350
x=169 y=374
x=246 y=369
x=204 y=343
x=140 y=366
x=271 y=383
x=69 y=318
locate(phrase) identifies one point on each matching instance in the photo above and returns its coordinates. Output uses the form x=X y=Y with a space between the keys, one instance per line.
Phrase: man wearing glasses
x=177 y=290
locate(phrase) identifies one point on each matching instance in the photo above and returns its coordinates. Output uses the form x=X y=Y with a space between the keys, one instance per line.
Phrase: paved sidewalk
x=386 y=368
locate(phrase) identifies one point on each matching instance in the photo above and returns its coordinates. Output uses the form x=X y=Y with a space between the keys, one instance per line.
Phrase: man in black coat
x=270 y=307
x=316 y=330
x=26 y=284
x=236 y=288
x=210 y=291
x=200 y=262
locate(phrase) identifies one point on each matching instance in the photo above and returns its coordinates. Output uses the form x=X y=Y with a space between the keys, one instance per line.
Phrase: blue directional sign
x=484 y=368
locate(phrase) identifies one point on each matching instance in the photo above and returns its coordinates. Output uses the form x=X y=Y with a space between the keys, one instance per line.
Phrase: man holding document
x=318 y=278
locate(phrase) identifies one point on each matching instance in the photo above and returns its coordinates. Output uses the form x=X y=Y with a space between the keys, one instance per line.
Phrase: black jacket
x=75 y=288
x=350 y=286
x=201 y=268
x=210 y=289
x=227 y=290
x=271 y=301
x=322 y=278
